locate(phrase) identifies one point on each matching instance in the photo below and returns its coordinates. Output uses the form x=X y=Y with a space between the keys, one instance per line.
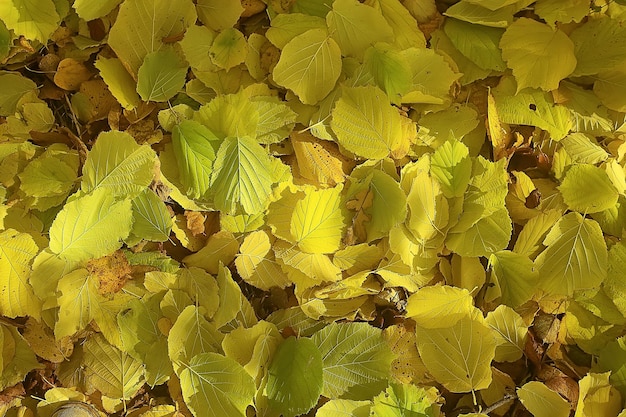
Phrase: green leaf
x=151 y=219
x=599 y=45
x=410 y=400
x=89 y=10
x=141 y=26
x=583 y=149
x=538 y=55
x=17 y=251
x=390 y=70
x=478 y=43
x=309 y=65
x=575 y=257
x=194 y=151
x=216 y=386
x=33 y=19
x=118 y=165
x=516 y=276
x=452 y=167
x=161 y=75
x=242 y=176
x=443 y=45
x=47 y=176
x=317 y=222
x=119 y=81
x=190 y=336
x=13 y=87
x=345 y=21
x=295 y=381
x=90 y=226
x=356 y=359
x=366 y=124
x=110 y=371
x=275 y=122
x=229 y=49
x=541 y=401
x=468 y=348
x=588 y=189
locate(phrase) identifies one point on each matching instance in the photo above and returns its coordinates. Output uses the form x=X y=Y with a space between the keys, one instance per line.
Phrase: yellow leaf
x=256 y=263
x=439 y=306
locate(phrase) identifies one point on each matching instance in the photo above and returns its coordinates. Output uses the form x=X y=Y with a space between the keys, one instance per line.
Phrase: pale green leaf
x=196 y=45
x=611 y=88
x=588 y=189
x=405 y=29
x=478 y=43
x=346 y=21
x=219 y=14
x=13 y=87
x=90 y=10
x=294 y=381
x=112 y=372
x=443 y=45
x=511 y=333
x=439 y=306
x=490 y=234
x=118 y=165
x=366 y=124
x=231 y=115
x=516 y=276
x=229 y=49
x=406 y=400
x=90 y=226
x=583 y=149
x=242 y=177
x=17 y=297
x=194 y=151
x=344 y=408
x=216 y=386
x=538 y=55
x=318 y=220
x=599 y=45
x=452 y=123
x=309 y=65
x=541 y=401
x=427 y=207
x=287 y=26
x=256 y=263
x=575 y=257
x=34 y=19
x=432 y=76
x=390 y=70
x=530 y=240
x=47 y=177
x=275 y=122
x=151 y=219
x=355 y=359
x=452 y=167
x=141 y=26
x=459 y=356
x=477 y=14
x=553 y=11
x=119 y=81
x=161 y=75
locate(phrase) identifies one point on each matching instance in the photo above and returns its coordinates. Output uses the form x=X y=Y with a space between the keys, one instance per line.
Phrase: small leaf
x=439 y=306
x=151 y=219
x=511 y=333
x=229 y=49
x=541 y=401
x=161 y=76
x=17 y=297
x=119 y=81
x=588 y=189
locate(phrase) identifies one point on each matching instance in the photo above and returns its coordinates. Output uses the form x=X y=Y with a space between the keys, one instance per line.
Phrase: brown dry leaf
x=49 y=64
x=408 y=366
x=195 y=222
x=112 y=271
x=99 y=99
x=558 y=381
x=70 y=74
x=144 y=132
x=41 y=339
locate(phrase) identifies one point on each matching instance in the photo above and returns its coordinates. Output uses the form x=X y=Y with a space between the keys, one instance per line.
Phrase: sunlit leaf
x=398 y=400
x=588 y=189
x=340 y=408
x=538 y=55
x=17 y=297
x=256 y=263
x=597 y=396
x=541 y=401
x=428 y=305
x=151 y=220
x=511 y=333
x=34 y=19
x=516 y=275
x=478 y=43
x=161 y=75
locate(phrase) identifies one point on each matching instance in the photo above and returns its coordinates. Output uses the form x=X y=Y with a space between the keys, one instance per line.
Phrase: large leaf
x=459 y=356
x=511 y=333
x=141 y=26
x=439 y=306
x=17 y=298
x=600 y=45
x=588 y=189
x=118 y=165
x=309 y=65
x=366 y=124
x=242 y=176
x=90 y=226
x=215 y=386
x=538 y=55
x=575 y=257
x=294 y=381
x=318 y=220
x=34 y=19
x=541 y=401
x=356 y=359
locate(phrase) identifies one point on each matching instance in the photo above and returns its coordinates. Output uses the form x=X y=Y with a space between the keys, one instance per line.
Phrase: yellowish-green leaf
x=256 y=263
x=567 y=11
x=112 y=372
x=34 y=19
x=610 y=87
x=600 y=45
x=318 y=221
x=46 y=177
x=119 y=81
x=511 y=333
x=478 y=43
x=583 y=149
x=538 y=55
x=588 y=189
x=443 y=45
x=287 y=26
x=17 y=298
x=428 y=208
x=403 y=23
x=309 y=65
x=230 y=115
x=452 y=167
x=90 y=226
x=18 y=357
x=242 y=176
x=432 y=76
x=390 y=70
x=597 y=397
x=459 y=356
x=91 y=10
x=151 y=219
x=516 y=276
x=541 y=401
x=219 y=14
x=488 y=235
x=475 y=13
x=530 y=240
x=141 y=26
x=12 y=88
x=161 y=75
x=575 y=257
x=366 y=124
x=229 y=49
x=406 y=399
x=439 y=306
x=340 y=408
x=346 y=22
x=118 y=165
